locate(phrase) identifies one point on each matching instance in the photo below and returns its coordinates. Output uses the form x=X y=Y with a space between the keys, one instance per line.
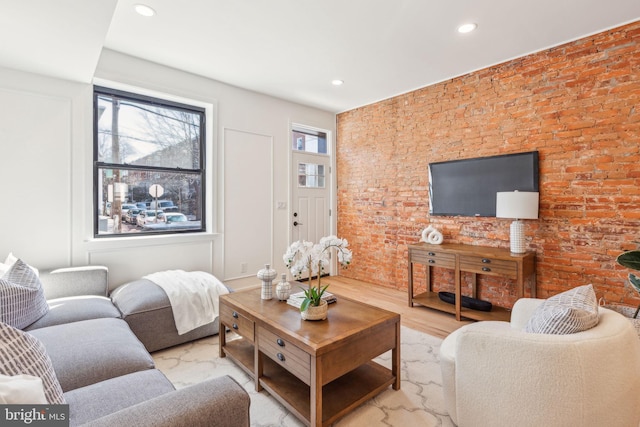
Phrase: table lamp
x=517 y=205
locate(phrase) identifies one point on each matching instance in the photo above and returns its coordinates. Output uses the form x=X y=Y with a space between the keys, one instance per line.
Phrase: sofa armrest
x=522 y=311
x=75 y=281
x=215 y=402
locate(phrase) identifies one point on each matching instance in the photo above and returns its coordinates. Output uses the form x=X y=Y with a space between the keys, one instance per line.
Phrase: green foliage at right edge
x=630 y=259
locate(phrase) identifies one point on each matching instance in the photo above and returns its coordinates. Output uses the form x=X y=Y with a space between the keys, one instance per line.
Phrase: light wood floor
x=417 y=317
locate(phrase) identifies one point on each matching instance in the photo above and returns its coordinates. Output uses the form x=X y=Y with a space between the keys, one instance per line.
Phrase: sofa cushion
x=22 y=300
x=569 y=312
x=97 y=400
x=91 y=351
x=75 y=281
x=140 y=296
x=21 y=353
x=214 y=402
x=75 y=309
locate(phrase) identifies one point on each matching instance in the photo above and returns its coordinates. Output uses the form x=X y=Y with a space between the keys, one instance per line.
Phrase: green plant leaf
x=324 y=288
x=313 y=297
x=630 y=259
x=635 y=281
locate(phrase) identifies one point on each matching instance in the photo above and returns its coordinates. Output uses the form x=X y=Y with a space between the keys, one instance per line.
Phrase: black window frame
x=97 y=165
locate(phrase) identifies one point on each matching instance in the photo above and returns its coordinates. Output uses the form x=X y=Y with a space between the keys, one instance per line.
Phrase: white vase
x=283 y=289
x=267 y=274
x=315 y=312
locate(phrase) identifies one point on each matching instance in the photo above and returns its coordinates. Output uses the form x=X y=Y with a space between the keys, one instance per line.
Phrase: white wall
x=45 y=170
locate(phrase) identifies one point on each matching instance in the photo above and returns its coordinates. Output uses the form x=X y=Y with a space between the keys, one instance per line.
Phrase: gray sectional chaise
x=107 y=376
x=147 y=309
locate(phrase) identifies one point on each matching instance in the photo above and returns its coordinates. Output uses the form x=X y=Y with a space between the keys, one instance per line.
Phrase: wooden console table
x=474 y=260
x=319 y=370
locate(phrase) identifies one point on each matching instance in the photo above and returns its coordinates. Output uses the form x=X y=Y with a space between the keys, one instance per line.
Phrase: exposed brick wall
x=577 y=104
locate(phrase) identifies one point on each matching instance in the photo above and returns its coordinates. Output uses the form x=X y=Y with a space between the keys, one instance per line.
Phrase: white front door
x=311 y=195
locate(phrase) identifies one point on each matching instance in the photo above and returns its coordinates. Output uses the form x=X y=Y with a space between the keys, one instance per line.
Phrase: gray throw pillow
x=22 y=353
x=569 y=312
x=22 y=299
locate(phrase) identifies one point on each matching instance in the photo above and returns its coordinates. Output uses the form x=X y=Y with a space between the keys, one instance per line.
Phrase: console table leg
x=458 y=291
x=410 y=290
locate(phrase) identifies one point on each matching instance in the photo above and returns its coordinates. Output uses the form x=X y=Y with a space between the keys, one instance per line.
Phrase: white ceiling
x=292 y=49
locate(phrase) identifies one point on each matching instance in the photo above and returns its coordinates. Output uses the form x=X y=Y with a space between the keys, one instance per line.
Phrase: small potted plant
x=313 y=307
x=305 y=257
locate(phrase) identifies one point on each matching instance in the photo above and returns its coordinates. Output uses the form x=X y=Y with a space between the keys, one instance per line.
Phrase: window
x=310 y=175
x=309 y=141
x=148 y=163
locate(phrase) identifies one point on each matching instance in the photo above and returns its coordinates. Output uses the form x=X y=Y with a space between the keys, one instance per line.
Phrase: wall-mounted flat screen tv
x=468 y=187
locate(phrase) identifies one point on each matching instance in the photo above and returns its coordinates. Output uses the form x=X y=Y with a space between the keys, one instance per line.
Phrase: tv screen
x=468 y=187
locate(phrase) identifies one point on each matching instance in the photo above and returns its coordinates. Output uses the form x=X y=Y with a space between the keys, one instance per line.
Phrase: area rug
x=419 y=402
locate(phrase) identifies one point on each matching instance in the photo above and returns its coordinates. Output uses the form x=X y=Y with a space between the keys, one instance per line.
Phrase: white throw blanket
x=194 y=296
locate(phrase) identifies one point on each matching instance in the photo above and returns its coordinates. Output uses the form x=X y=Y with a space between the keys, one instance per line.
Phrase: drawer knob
x=486 y=260
x=280 y=342
x=432 y=261
x=432 y=254
x=235 y=326
x=234 y=315
x=486 y=269
x=280 y=357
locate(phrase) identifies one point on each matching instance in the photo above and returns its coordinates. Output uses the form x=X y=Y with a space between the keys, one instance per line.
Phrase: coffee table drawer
x=489 y=266
x=286 y=354
x=237 y=322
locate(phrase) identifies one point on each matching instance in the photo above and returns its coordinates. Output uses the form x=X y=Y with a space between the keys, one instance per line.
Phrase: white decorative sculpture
x=283 y=289
x=267 y=274
x=431 y=235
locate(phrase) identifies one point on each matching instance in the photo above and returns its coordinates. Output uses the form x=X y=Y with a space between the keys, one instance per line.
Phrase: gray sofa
x=107 y=376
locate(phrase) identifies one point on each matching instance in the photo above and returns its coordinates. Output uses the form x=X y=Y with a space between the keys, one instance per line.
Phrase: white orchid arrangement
x=305 y=257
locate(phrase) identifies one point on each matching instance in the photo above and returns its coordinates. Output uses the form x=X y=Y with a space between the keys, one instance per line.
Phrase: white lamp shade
x=517 y=204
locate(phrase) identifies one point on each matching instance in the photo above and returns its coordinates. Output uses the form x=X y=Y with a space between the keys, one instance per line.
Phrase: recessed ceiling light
x=337 y=82
x=144 y=10
x=467 y=28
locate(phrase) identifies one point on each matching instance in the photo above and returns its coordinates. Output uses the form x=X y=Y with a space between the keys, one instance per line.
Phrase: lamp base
x=516 y=237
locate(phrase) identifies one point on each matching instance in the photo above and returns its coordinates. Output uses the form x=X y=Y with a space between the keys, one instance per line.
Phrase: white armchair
x=495 y=374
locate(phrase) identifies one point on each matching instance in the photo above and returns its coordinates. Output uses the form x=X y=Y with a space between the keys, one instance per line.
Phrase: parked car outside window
x=149 y=217
x=165 y=205
x=174 y=217
x=125 y=208
x=174 y=221
x=131 y=215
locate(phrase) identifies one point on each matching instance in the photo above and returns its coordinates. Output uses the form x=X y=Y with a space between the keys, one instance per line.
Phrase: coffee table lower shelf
x=340 y=396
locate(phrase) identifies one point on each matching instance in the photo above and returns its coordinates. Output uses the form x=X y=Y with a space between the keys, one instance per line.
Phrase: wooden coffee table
x=319 y=370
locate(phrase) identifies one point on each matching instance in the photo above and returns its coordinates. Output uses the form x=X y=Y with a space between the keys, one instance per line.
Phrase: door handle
x=296 y=223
